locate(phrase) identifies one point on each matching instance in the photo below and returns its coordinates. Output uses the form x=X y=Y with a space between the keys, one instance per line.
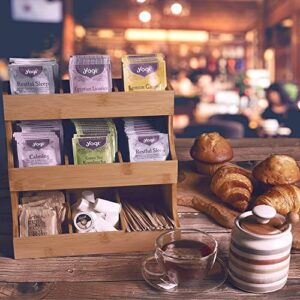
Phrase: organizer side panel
x=13 y=195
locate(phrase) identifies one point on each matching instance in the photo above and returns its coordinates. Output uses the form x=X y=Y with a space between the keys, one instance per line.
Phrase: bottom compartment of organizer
x=126 y=239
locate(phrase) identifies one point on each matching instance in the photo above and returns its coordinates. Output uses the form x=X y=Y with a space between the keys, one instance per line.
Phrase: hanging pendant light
x=177 y=8
x=140 y=2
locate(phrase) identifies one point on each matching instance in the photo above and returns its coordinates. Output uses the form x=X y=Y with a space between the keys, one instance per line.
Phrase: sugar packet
x=144 y=72
x=90 y=74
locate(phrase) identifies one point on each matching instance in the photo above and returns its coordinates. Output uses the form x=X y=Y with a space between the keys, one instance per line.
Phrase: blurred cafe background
x=234 y=64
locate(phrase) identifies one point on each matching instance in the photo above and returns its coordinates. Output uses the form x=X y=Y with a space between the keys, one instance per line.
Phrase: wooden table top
x=119 y=276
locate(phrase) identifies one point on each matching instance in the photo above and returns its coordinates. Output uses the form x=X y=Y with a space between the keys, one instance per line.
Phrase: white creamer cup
x=81 y=205
x=84 y=221
x=103 y=225
x=89 y=196
x=106 y=206
x=112 y=218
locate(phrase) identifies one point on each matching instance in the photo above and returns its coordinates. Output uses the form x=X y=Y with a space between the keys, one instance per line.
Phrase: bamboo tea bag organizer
x=113 y=181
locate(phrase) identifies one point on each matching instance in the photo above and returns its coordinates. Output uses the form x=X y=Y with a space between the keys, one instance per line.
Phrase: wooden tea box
x=159 y=177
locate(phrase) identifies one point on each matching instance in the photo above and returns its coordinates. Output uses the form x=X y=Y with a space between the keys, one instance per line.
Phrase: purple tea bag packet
x=90 y=74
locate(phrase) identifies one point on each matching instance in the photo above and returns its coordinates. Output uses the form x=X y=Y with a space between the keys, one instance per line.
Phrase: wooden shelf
x=84 y=244
x=157 y=175
x=92 y=176
x=76 y=106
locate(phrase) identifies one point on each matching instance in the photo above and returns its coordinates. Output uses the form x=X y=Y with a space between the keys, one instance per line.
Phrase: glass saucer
x=215 y=278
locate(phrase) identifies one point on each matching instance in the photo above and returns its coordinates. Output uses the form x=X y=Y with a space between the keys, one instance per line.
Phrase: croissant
x=284 y=198
x=233 y=185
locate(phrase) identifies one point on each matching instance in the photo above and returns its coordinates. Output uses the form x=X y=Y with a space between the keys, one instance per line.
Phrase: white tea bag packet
x=148 y=147
x=90 y=74
x=33 y=76
x=37 y=150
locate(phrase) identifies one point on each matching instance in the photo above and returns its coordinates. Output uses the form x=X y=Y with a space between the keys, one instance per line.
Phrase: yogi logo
x=38 y=144
x=90 y=70
x=92 y=144
x=148 y=140
x=143 y=69
x=31 y=71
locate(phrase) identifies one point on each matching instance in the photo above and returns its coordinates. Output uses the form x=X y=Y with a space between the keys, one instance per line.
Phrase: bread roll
x=211 y=148
x=233 y=185
x=210 y=152
x=207 y=169
x=277 y=170
x=284 y=198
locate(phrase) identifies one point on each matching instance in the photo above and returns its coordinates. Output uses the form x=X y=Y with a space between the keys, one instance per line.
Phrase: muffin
x=277 y=170
x=210 y=152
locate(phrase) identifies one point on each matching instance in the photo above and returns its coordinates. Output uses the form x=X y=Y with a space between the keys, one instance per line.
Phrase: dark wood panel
x=248 y=149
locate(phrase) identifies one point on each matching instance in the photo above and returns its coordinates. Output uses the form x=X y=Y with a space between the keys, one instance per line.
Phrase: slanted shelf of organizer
x=161 y=176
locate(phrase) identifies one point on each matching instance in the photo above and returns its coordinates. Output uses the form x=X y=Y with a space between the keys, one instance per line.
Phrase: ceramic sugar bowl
x=260 y=248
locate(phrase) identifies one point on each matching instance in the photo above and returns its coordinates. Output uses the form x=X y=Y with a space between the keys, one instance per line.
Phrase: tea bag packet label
x=95 y=141
x=150 y=147
x=37 y=150
x=89 y=150
x=90 y=74
x=33 y=76
x=144 y=72
x=42 y=214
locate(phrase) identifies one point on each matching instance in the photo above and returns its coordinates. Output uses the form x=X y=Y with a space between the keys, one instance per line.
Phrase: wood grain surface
x=194 y=191
x=118 y=276
x=98 y=105
x=92 y=176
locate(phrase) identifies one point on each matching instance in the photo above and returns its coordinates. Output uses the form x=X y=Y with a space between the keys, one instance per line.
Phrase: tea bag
x=90 y=74
x=54 y=199
x=95 y=141
x=91 y=150
x=44 y=126
x=36 y=150
x=145 y=143
x=37 y=221
x=144 y=72
x=33 y=76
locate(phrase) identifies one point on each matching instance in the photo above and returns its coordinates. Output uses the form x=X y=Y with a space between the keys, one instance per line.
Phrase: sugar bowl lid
x=263 y=220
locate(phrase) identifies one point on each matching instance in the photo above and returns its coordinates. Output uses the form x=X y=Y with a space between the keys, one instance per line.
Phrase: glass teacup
x=184 y=256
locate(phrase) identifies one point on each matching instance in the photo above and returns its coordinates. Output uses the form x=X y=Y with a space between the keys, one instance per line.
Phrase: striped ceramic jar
x=259 y=263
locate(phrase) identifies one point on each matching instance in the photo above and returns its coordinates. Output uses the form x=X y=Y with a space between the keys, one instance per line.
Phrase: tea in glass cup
x=185 y=256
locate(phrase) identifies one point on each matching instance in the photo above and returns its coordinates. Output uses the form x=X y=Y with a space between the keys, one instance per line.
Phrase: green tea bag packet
x=98 y=128
x=109 y=136
x=92 y=150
